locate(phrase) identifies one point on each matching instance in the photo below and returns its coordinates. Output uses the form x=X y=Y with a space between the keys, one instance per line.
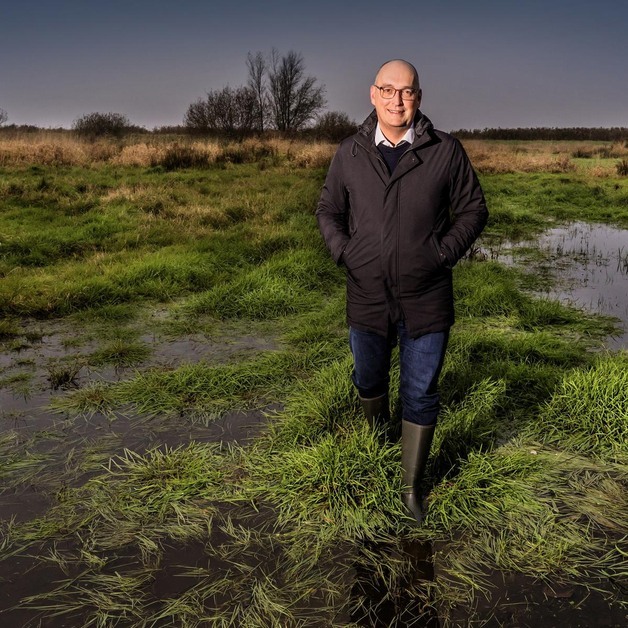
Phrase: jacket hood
x=421 y=124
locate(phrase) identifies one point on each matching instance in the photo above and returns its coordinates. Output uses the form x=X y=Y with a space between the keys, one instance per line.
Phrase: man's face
x=395 y=115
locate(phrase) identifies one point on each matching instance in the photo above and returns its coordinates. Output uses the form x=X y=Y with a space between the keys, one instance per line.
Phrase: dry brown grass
x=596 y=159
x=64 y=149
x=491 y=157
x=316 y=155
x=501 y=157
x=58 y=153
x=141 y=154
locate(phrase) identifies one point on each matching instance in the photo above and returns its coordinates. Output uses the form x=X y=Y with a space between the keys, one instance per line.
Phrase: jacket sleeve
x=332 y=210
x=468 y=207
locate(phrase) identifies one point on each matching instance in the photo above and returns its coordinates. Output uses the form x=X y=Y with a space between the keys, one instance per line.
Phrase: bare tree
x=295 y=98
x=229 y=110
x=334 y=126
x=257 y=67
x=97 y=124
x=245 y=105
x=4 y=116
x=196 y=118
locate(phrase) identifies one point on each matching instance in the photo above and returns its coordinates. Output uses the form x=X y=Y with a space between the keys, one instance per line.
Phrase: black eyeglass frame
x=413 y=92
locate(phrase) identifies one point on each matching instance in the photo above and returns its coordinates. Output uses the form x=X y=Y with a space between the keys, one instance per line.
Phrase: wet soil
x=27 y=365
x=521 y=601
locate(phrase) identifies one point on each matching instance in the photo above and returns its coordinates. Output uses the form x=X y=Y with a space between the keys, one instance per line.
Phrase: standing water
x=588 y=264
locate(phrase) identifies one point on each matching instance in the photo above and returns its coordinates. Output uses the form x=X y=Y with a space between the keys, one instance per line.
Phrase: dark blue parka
x=400 y=235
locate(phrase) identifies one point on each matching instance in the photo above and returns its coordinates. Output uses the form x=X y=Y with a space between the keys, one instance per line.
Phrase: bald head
x=399 y=80
x=396 y=67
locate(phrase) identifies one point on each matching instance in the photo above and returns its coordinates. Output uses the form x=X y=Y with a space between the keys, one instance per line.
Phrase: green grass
x=120 y=353
x=588 y=411
x=9 y=329
x=199 y=389
x=139 y=235
x=521 y=206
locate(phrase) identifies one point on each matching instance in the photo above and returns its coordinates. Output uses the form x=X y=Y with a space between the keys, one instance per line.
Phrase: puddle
x=588 y=267
x=197 y=347
x=378 y=600
x=520 y=600
x=28 y=366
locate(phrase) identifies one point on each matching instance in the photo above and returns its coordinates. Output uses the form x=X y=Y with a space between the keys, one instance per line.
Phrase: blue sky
x=483 y=64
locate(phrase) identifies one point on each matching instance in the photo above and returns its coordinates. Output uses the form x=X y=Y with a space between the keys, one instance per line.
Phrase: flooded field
x=180 y=443
x=57 y=445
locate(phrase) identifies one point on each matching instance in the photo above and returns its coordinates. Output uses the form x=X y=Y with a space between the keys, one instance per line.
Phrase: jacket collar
x=366 y=130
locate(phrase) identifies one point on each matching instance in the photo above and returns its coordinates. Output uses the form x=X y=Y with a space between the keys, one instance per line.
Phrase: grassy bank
x=145 y=522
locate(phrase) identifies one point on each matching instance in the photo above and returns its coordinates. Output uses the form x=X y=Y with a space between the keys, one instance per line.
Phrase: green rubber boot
x=416 y=441
x=377 y=412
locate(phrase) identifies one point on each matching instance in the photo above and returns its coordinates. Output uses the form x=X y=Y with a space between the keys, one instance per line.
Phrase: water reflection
x=390 y=586
x=588 y=268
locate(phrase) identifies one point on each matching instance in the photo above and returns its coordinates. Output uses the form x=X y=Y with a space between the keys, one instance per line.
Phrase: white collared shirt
x=380 y=138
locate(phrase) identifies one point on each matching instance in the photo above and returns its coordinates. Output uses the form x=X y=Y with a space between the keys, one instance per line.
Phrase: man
x=400 y=206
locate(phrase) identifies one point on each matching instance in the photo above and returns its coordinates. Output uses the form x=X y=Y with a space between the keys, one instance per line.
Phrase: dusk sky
x=483 y=63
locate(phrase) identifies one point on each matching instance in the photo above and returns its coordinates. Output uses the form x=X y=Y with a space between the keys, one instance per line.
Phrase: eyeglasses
x=407 y=93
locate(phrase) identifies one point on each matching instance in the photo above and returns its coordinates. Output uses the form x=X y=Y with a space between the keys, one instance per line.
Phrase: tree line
x=280 y=96
x=602 y=134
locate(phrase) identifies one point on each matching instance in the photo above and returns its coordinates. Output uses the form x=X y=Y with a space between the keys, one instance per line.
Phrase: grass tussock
x=469 y=426
x=120 y=353
x=165 y=492
x=314 y=155
x=197 y=389
x=534 y=511
x=287 y=283
x=490 y=289
x=588 y=412
x=9 y=329
x=345 y=481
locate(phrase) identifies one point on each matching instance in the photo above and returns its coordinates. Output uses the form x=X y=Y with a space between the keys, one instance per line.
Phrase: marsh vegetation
x=179 y=440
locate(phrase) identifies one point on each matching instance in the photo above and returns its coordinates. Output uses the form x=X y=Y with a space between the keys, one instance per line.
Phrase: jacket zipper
x=397 y=293
x=398 y=284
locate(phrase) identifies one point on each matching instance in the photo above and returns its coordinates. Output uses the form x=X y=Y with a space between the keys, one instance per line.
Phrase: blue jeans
x=420 y=363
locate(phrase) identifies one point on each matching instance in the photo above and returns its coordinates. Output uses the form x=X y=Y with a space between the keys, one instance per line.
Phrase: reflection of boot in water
x=413 y=610
x=381 y=601
x=371 y=601
x=421 y=557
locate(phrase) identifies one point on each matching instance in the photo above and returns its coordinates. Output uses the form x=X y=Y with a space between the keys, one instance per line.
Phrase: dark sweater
x=392 y=154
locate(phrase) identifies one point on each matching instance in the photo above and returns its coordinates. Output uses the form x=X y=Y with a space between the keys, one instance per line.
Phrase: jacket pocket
x=355 y=255
x=362 y=260
x=439 y=260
